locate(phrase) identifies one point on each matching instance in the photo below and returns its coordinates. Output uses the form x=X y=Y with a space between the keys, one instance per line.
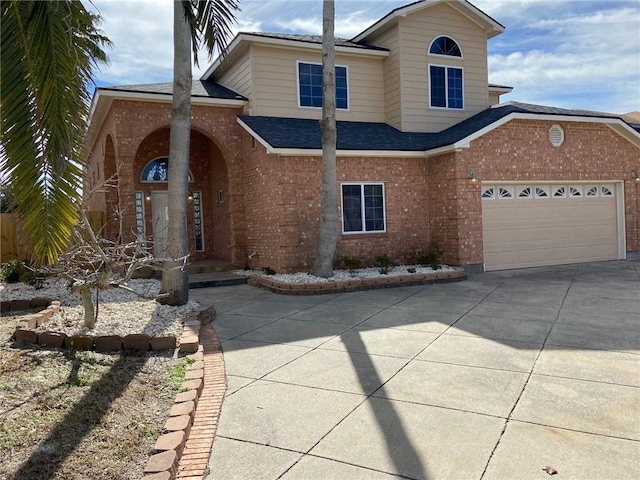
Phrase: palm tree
x=194 y=22
x=323 y=262
x=48 y=52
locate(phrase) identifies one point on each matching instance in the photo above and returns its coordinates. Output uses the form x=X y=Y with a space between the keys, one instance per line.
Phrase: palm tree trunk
x=328 y=231
x=175 y=275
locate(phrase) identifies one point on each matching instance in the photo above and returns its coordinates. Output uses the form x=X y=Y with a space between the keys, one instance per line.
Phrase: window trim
x=362 y=208
x=440 y=55
x=346 y=71
x=446 y=86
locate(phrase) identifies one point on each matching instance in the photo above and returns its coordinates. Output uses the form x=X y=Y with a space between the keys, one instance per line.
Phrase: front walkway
x=496 y=377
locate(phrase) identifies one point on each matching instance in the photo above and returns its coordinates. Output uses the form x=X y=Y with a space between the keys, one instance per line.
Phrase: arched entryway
x=208 y=220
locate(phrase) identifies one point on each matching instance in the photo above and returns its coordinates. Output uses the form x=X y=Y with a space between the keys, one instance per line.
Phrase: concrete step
x=217 y=279
x=210 y=266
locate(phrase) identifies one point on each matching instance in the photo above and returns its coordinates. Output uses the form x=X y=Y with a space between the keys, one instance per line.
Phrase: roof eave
x=245 y=38
x=491 y=26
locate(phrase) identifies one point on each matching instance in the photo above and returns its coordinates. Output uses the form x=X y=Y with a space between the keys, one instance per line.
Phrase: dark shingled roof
x=199 y=88
x=305 y=134
x=340 y=42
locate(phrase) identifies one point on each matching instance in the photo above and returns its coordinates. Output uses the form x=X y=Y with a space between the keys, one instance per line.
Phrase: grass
x=78 y=415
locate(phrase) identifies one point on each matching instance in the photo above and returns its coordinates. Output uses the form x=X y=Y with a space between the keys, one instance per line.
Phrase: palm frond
x=49 y=50
x=210 y=24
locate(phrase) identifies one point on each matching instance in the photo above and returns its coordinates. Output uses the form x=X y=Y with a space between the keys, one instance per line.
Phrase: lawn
x=77 y=415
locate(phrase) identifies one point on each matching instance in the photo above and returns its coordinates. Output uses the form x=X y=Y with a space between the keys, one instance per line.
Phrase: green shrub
x=11 y=272
x=351 y=263
x=384 y=263
x=33 y=279
x=269 y=271
x=429 y=260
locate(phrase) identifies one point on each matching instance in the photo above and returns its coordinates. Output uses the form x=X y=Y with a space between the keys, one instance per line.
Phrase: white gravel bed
x=120 y=312
x=373 y=272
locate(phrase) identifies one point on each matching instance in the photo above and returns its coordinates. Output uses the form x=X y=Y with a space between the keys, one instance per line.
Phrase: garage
x=527 y=225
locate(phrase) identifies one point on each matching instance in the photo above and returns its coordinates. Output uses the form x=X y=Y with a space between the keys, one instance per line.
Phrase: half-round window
x=157 y=170
x=445 y=46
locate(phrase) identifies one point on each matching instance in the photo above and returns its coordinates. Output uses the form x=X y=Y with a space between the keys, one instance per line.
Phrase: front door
x=160 y=208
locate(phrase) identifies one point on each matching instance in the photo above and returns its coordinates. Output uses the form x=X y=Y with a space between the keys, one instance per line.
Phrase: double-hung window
x=446 y=82
x=363 y=207
x=310 y=85
x=446 y=86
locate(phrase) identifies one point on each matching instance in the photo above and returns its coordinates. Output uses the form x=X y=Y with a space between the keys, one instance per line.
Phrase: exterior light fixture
x=472 y=176
x=147 y=196
x=635 y=174
x=190 y=197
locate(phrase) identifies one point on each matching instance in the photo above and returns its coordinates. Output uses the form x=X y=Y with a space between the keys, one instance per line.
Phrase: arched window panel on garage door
x=505 y=193
x=559 y=191
x=592 y=191
x=606 y=190
x=542 y=191
x=575 y=191
x=525 y=192
x=489 y=193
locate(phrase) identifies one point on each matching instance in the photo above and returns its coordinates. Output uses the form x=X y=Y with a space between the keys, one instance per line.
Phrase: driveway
x=496 y=377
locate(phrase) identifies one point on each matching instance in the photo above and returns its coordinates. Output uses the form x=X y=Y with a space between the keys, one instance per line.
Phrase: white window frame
x=446 y=85
x=346 y=69
x=362 y=207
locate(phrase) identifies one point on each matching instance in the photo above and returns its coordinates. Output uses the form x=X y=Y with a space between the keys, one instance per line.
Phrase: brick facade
x=271 y=203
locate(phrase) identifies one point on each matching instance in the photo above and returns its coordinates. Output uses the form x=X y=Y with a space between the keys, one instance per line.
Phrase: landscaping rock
x=170 y=441
x=189 y=344
x=184 y=408
x=5 y=306
x=195 y=384
x=185 y=396
x=193 y=374
x=30 y=320
x=52 y=339
x=181 y=422
x=40 y=302
x=25 y=335
x=20 y=305
x=79 y=342
x=163 y=342
x=162 y=462
x=108 y=343
x=136 y=341
x=157 y=476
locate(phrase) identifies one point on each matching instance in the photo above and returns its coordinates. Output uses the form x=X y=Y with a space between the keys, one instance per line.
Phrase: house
x=429 y=160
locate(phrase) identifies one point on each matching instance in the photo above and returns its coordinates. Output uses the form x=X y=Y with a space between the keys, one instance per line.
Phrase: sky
x=572 y=54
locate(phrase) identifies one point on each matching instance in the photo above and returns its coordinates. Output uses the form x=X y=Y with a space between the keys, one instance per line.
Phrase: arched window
x=446 y=82
x=445 y=46
x=157 y=170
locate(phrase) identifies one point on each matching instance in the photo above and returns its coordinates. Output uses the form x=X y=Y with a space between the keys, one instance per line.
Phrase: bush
x=33 y=279
x=12 y=271
x=429 y=260
x=384 y=263
x=351 y=263
x=269 y=271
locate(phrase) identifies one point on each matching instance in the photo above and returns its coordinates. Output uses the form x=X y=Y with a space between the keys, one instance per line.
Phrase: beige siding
x=416 y=33
x=494 y=98
x=391 y=68
x=238 y=76
x=275 y=88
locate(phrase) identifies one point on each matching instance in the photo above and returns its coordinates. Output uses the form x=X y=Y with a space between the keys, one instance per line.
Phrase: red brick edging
x=183 y=452
x=356 y=284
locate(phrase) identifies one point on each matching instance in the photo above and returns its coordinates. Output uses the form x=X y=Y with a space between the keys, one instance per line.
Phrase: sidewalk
x=496 y=377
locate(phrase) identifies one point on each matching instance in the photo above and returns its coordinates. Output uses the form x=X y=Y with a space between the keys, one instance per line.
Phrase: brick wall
x=520 y=151
x=140 y=132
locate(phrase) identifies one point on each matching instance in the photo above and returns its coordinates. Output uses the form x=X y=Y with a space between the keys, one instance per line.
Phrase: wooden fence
x=14 y=243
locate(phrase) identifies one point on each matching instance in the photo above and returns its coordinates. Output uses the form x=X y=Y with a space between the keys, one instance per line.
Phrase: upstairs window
x=445 y=46
x=446 y=87
x=310 y=85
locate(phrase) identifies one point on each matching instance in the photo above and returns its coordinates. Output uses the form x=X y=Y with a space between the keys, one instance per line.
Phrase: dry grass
x=78 y=415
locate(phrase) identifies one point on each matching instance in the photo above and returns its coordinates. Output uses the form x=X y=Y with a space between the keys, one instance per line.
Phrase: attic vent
x=556 y=135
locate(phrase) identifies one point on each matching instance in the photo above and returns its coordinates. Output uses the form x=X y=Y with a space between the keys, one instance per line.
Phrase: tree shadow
x=401 y=451
x=80 y=420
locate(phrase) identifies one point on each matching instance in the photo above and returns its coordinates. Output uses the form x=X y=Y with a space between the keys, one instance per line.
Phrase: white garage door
x=548 y=224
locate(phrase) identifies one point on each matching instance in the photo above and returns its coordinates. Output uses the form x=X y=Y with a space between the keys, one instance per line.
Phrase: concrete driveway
x=496 y=377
